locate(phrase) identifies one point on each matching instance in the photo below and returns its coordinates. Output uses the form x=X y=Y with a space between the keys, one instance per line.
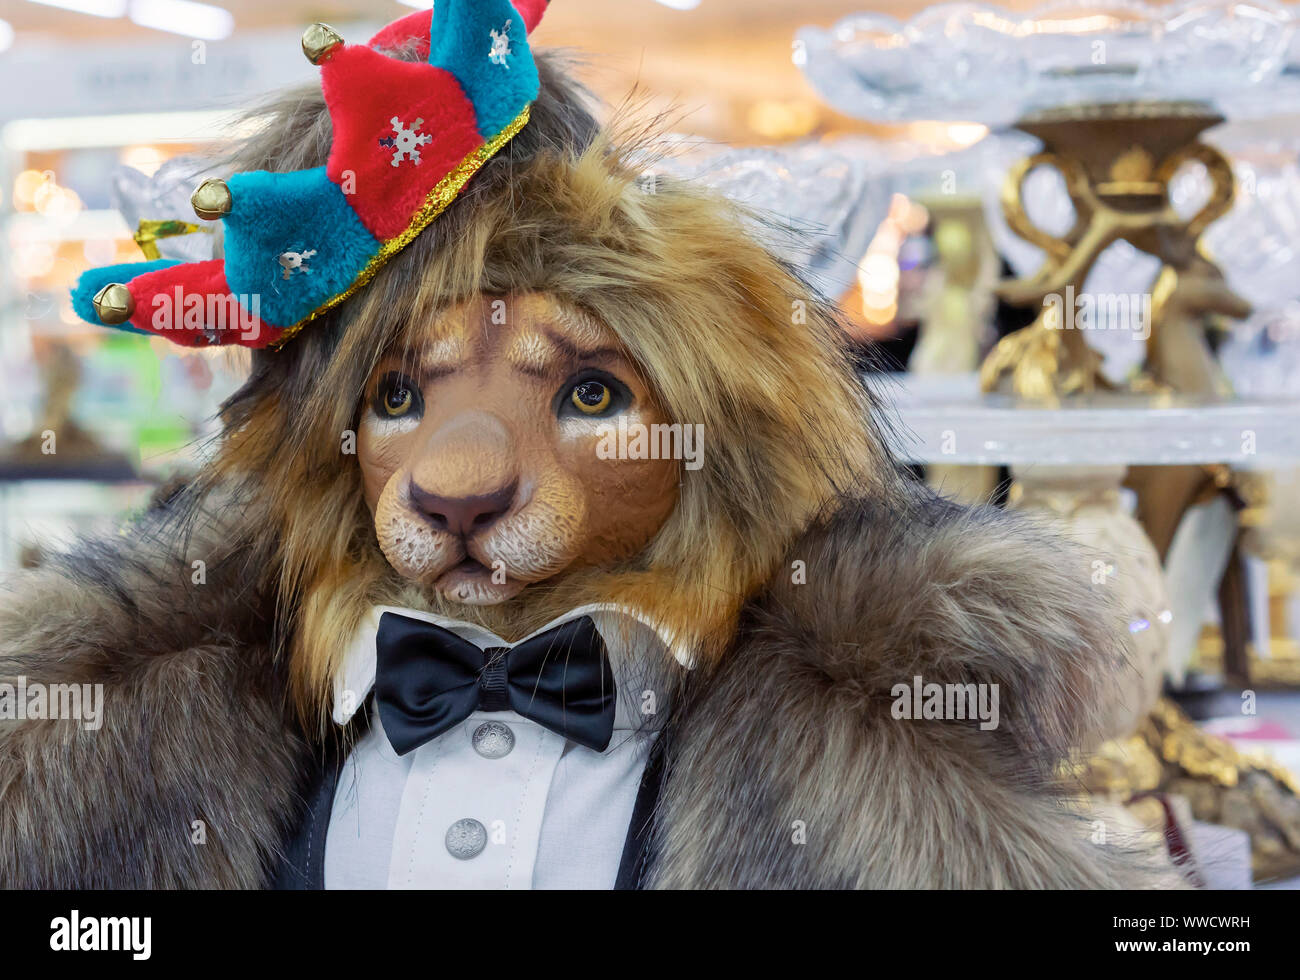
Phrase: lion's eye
x=590 y=397
x=398 y=402
x=591 y=394
x=397 y=397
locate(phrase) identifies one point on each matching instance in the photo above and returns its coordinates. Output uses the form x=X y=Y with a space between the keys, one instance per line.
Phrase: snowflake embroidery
x=291 y=262
x=406 y=142
x=500 y=49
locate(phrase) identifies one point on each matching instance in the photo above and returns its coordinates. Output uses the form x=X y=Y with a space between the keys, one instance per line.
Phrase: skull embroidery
x=291 y=262
x=500 y=49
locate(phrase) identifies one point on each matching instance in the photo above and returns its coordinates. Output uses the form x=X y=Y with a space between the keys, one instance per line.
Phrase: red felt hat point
x=191 y=305
x=415 y=27
x=531 y=11
x=383 y=147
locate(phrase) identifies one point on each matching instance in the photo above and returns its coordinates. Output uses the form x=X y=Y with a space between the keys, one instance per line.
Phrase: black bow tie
x=427 y=680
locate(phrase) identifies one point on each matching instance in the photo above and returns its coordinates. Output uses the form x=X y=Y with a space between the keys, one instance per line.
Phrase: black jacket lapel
x=638 y=849
x=302 y=865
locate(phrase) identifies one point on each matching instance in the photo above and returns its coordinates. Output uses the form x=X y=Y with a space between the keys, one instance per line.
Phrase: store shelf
x=946 y=419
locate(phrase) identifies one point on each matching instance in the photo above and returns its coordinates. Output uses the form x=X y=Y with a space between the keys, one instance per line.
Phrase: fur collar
x=192 y=779
x=198 y=773
x=787 y=768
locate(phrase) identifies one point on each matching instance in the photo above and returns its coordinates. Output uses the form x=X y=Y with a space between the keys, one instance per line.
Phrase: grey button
x=466 y=839
x=493 y=740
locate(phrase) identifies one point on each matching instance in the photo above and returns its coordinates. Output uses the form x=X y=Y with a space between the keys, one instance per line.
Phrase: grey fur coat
x=786 y=766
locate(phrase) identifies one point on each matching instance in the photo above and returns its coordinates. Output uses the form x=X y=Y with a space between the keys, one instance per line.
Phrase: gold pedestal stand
x=1169 y=754
x=1117 y=161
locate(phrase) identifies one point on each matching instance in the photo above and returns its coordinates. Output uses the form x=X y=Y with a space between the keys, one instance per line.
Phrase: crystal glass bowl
x=979 y=63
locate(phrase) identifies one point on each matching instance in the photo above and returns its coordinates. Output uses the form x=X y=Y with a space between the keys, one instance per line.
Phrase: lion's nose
x=463 y=515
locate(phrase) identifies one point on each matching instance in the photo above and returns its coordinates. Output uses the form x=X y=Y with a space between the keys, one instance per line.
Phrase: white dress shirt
x=517 y=807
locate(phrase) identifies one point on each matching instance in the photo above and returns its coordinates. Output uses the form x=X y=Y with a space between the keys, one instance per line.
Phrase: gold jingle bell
x=318 y=41
x=113 y=304
x=211 y=199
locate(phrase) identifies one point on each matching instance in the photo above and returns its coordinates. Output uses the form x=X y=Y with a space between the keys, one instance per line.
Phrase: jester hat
x=407 y=137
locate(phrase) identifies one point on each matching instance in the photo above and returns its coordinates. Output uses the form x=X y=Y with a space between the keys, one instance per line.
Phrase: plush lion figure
x=434 y=444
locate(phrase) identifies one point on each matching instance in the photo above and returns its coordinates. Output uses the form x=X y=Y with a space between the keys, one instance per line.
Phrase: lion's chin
x=471 y=584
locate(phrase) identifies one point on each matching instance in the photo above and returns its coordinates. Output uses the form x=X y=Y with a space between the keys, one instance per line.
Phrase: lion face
x=478 y=450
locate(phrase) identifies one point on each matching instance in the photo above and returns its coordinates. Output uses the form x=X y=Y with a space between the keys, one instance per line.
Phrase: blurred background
x=944 y=173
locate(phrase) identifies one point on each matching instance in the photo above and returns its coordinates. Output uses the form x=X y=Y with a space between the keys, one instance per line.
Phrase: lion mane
x=726 y=335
